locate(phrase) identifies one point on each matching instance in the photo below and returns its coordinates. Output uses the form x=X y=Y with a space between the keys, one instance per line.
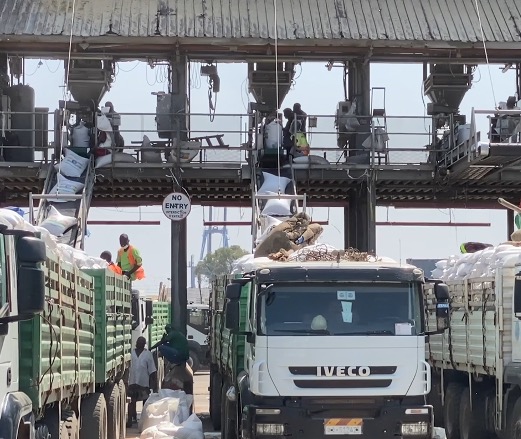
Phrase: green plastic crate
x=113 y=345
x=57 y=347
x=161 y=314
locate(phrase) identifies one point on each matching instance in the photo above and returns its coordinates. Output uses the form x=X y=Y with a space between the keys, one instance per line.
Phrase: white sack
x=119 y=157
x=273 y=135
x=192 y=428
x=272 y=184
x=73 y=165
x=150 y=156
x=65 y=186
x=80 y=136
x=277 y=207
x=56 y=223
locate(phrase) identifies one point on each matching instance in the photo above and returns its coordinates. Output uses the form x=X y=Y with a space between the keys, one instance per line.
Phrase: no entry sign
x=177 y=206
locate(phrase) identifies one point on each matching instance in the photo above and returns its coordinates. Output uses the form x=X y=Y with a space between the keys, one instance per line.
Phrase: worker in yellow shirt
x=130 y=260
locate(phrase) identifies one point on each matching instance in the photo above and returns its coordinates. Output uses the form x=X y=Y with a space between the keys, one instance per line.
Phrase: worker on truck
x=173 y=346
x=129 y=259
x=107 y=256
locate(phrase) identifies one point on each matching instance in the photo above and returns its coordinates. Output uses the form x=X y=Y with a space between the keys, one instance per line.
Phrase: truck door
x=8 y=332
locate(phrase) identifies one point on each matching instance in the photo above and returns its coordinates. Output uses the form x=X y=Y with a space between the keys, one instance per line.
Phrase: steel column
x=178 y=229
x=360 y=218
x=510 y=223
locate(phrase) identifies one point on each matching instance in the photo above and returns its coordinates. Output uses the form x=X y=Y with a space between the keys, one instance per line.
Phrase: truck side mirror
x=134 y=304
x=441 y=291
x=31 y=254
x=232 y=315
x=233 y=291
x=149 y=309
x=517 y=296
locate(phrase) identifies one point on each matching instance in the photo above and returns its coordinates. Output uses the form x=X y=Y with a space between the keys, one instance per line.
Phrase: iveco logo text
x=343 y=371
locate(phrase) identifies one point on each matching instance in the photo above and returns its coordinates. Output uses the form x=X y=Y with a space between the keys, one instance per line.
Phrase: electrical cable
x=486 y=53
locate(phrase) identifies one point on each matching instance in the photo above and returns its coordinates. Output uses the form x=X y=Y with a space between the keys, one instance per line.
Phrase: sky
x=318 y=90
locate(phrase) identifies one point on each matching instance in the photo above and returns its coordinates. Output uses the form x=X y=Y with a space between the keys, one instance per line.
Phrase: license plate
x=343 y=426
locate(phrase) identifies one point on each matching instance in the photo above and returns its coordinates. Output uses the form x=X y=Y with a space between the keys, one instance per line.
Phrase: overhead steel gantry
x=351 y=33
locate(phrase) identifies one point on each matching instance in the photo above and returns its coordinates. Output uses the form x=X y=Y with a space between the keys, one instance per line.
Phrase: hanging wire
x=486 y=53
x=66 y=88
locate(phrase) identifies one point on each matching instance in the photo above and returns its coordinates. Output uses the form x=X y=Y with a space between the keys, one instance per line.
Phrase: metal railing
x=227 y=140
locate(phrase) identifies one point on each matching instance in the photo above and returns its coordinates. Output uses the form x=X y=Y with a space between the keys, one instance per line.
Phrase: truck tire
x=514 y=422
x=93 y=417
x=452 y=410
x=215 y=400
x=112 y=399
x=122 y=410
x=73 y=426
x=194 y=360
x=227 y=422
x=472 y=421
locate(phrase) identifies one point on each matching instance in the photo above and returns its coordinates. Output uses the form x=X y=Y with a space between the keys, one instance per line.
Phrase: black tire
x=227 y=421
x=215 y=400
x=514 y=422
x=194 y=360
x=122 y=410
x=112 y=399
x=451 y=413
x=73 y=426
x=93 y=417
x=472 y=421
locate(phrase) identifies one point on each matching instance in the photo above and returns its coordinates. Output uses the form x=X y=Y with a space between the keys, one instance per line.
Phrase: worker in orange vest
x=107 y=256
x=129 y=259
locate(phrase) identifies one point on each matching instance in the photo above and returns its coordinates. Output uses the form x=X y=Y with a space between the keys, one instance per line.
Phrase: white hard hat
x=319 y=323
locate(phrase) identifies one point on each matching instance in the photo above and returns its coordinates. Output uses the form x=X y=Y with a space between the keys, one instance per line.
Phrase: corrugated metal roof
x=391 y=20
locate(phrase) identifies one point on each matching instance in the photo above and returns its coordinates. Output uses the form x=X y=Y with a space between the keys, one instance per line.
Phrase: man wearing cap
x=129 y=259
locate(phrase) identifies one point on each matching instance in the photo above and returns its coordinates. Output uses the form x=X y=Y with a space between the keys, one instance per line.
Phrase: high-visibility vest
x=140 y=272
x=116 y=269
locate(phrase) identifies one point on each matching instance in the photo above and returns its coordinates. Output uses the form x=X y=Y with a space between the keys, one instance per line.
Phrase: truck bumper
x=388 y=421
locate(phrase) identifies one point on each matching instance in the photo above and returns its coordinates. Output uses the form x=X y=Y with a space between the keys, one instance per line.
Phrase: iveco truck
x=321 y=349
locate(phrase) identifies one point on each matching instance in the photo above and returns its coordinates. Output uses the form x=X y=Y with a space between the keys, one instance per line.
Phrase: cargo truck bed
x=57 y=348
x=479 y=338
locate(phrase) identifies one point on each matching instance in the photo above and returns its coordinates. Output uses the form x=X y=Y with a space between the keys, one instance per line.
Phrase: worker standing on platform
x=301 y=116
x=115 y=122
x=107 y=256
x=142 y=378
x=129 y=259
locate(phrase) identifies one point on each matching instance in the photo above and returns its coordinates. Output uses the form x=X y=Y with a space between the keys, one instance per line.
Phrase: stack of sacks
x=272 y=185
x=13 y=220
x=480 y=264
x=268 y=223
x=167 y=415
x=247 y=263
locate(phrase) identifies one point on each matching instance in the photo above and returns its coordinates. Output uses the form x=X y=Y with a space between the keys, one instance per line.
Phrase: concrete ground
x=201 y=398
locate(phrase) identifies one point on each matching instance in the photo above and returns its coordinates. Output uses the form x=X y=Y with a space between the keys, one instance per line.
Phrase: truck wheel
x=227 y=422
x=73 y=426
x=215 y=400
x=122 y=410
x=514 y=422
x=93 y=417
x=472 y=422
x=452 y=410
x=112 y=399
x=195 y=364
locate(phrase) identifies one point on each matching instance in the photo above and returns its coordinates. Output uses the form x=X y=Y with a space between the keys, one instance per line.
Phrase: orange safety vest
x=140 y=272
x=116 y=269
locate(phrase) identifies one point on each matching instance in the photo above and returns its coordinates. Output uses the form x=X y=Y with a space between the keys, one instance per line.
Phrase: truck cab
x=317 y=349
x=22 y=296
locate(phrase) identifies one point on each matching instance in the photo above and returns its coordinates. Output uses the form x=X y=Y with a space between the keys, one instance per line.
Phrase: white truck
x=320 y=349
x=476 y=380
x=197 y=328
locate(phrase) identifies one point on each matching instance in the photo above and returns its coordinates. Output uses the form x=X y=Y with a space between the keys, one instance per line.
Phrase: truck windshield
x=348 y=309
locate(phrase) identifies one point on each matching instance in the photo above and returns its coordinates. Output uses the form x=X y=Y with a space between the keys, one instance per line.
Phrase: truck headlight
x=270 y=429
x=415 y=429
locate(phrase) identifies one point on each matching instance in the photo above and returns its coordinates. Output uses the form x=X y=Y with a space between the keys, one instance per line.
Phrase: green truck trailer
x=65 y=344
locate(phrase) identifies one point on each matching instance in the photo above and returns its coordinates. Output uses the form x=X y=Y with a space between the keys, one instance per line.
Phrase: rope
x=323 y=253
x=66 y=87
x=486 y=53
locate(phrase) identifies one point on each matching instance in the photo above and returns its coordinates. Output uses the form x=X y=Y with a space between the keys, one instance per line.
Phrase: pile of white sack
x=480 y=264
x=50 y=230
x=166 y=415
